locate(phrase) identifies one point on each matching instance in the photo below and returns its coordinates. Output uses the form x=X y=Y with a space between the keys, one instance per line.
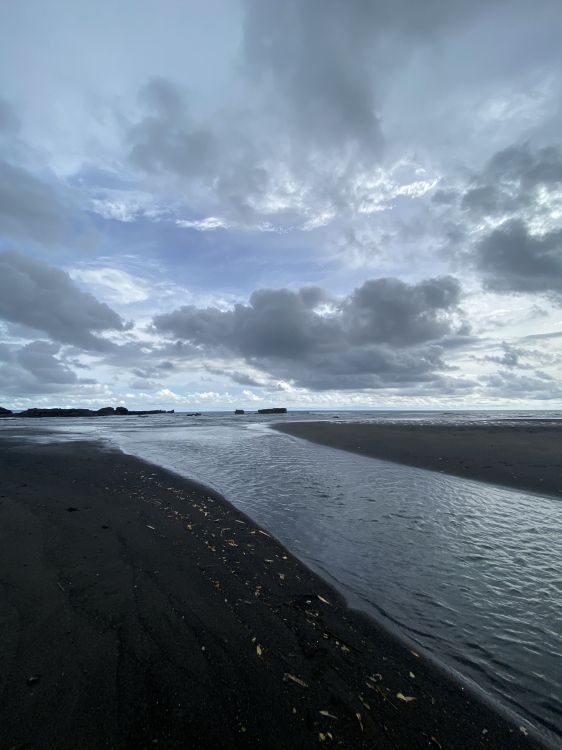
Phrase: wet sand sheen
x=522 y=456
x=141 y=610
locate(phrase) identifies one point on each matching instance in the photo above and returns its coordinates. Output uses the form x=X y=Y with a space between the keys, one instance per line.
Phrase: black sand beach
x=522 y=456
x=138 y=610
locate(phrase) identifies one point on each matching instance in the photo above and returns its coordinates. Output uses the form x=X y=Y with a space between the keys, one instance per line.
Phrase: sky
x=327 y=204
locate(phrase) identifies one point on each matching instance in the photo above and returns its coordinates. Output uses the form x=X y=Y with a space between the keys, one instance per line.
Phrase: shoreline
x=147 y=606
x=522 y=457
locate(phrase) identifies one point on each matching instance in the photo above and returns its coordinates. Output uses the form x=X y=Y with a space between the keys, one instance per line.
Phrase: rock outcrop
x=5 y=412
x=106 y=411
x=239 y=411
x=273 y=410
x=38 y=413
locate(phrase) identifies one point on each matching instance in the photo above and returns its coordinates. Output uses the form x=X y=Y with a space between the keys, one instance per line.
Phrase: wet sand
x=139 y=610
x=522 y=456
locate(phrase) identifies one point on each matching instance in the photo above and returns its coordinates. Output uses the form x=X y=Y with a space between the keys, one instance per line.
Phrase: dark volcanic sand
x=138 y=610
x=523 y=456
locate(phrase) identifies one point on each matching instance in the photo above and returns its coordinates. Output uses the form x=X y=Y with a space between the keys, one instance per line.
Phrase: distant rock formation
x=239 y=411
x=193 y=414
x=5 y=412
x=106 y=411
x=38 y=413
x=273 y=410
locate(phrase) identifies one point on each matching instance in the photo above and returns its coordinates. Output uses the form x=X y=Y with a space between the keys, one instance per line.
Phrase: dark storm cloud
x=37 y=295
x=386 y=332
x=391 y=311
x=510 y=259
x=355 y=368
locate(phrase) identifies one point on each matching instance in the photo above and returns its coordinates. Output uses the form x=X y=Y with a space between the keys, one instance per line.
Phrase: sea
x=469 y=572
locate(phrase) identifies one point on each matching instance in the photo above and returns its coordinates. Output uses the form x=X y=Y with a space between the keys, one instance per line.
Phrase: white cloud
x=203 y=225
x=114 y=285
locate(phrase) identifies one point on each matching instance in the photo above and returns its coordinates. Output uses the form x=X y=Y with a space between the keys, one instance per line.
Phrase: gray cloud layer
x=37 y=295
x=517 y=194
x=512 y=260
x=309 y=125
x=39 y=360
x=29 y=207
x=385 y=333
x=512 y=178
x=34 y=204
x=166 y=140
x=36 y=369
x=319 y=63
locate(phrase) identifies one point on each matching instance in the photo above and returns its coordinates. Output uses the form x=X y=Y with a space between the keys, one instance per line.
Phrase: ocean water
x=470 y=572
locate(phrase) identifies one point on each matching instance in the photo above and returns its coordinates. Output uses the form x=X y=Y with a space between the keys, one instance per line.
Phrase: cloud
x=299 y=55
x=34 y=204
x=515 y=357
x=514 y=180
x=45 y=298
x=209 y=224
x=9 y=121
x=30 y=208
x=511 y=259
x=241 y=378
x=117 y=286
x=386 y=332
x=326 y=98
x=507 y=385
x=511 y=357
x=519 y=164
x=300 y=140
x=166 y=139
x=37 y=368
x=505 y=221
x=389 y=310
x=39 y=359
